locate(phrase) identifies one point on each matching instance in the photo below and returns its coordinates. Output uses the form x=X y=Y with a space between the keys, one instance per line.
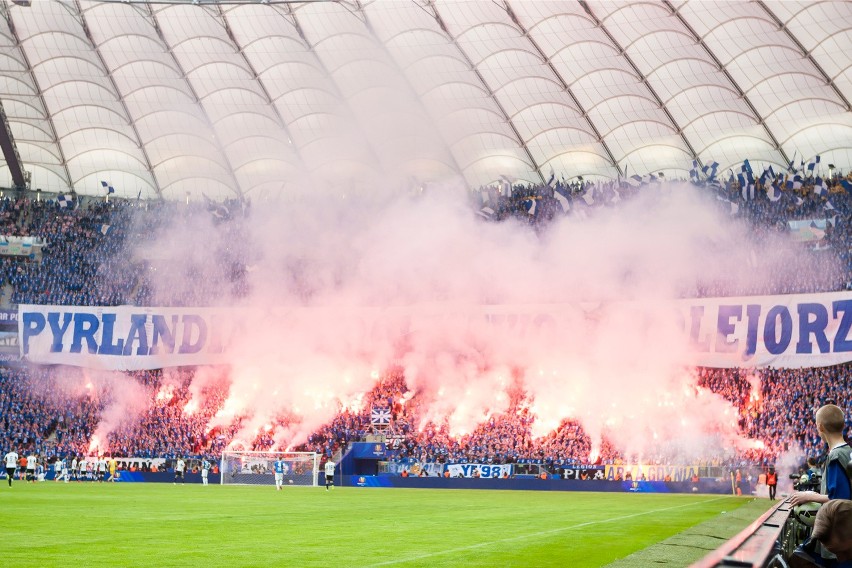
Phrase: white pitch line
x=537 y=534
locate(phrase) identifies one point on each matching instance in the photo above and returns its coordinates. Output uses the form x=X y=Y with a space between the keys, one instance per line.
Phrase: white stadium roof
x=248 y=97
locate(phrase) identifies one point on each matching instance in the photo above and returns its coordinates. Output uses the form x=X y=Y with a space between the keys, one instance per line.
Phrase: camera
x=807 y=481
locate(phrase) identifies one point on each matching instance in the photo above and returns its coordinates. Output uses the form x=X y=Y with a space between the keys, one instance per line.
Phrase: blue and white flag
x=693 y=173
x=795 y=182
x=634 y=180
x=105 y=229
x=380 y=416
x=820 y=187
x=109 y=188
x=812 y=164
x=65 y=201
x=552 y=176
x=561 y=195
x=773 y=192
x=710 y=169
x=791 y=169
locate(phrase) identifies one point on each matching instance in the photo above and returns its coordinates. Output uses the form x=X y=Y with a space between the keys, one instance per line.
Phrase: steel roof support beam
x=807 y=54
x=10 y=151
x=565 y=87
x=435 y=14
x=48 y=117
x=641 y=76
x=120 y=97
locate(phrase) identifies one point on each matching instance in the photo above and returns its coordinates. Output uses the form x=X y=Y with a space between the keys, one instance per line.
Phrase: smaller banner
x=807 y=230
x=20 y=246
x=583 y=472
x=487 y=471
x=650 y=472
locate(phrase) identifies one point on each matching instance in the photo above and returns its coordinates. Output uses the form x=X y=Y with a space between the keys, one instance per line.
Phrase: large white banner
x=122 y=338
x=792 y=331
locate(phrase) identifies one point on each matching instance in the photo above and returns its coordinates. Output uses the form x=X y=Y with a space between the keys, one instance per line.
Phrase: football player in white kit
x=11 y=461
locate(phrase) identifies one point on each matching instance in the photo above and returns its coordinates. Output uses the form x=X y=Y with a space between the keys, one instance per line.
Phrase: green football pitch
x=152 y=524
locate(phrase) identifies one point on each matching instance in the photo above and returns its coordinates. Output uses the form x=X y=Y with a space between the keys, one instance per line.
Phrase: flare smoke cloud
x=316 y=266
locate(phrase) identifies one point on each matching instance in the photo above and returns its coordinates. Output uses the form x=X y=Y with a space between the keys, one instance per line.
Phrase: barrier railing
x=762 y=544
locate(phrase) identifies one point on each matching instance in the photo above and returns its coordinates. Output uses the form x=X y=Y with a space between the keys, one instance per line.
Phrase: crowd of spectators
x=58 y=411
x=87 y=259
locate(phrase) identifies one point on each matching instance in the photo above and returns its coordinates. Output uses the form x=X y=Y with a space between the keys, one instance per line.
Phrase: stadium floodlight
x=256 y=468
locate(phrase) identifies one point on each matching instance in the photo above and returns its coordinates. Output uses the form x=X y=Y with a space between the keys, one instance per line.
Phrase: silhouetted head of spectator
x=833 y=528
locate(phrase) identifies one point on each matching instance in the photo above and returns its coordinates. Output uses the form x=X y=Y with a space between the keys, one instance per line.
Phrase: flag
x=486 y=212
x=791 y=169
x=828 y=206
x=795 y=183
x=109 y=188
x=380 y=416
x=799 y=201
x=847 y=185
x=531 y=205
x=773 y=192
x=748 y=192
x=105 y=229
x=505 y=186
x=820 y=187
x=812 y=164
x=561 y=196
x=710 y=169
x=552 y=176
x=693 y=173
x=634 y=180
x=65 y=201
x=746 y=169
x=589 y=196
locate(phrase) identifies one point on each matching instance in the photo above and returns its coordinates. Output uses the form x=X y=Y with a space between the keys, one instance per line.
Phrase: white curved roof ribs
x=565 y=87
x=281 y=123
x=225 y=97
x=337 y=90
x=191 y=89
x=806 y=54
x=120 y=97
x=488 y=89
x=641 y=76
x=63 y=163
x=727 y=74
x=453 y=162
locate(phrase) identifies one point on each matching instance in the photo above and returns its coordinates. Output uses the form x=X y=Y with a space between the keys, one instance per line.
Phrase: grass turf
x=128 y=524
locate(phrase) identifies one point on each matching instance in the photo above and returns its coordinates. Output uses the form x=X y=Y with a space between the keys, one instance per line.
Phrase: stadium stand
x=83 y=263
